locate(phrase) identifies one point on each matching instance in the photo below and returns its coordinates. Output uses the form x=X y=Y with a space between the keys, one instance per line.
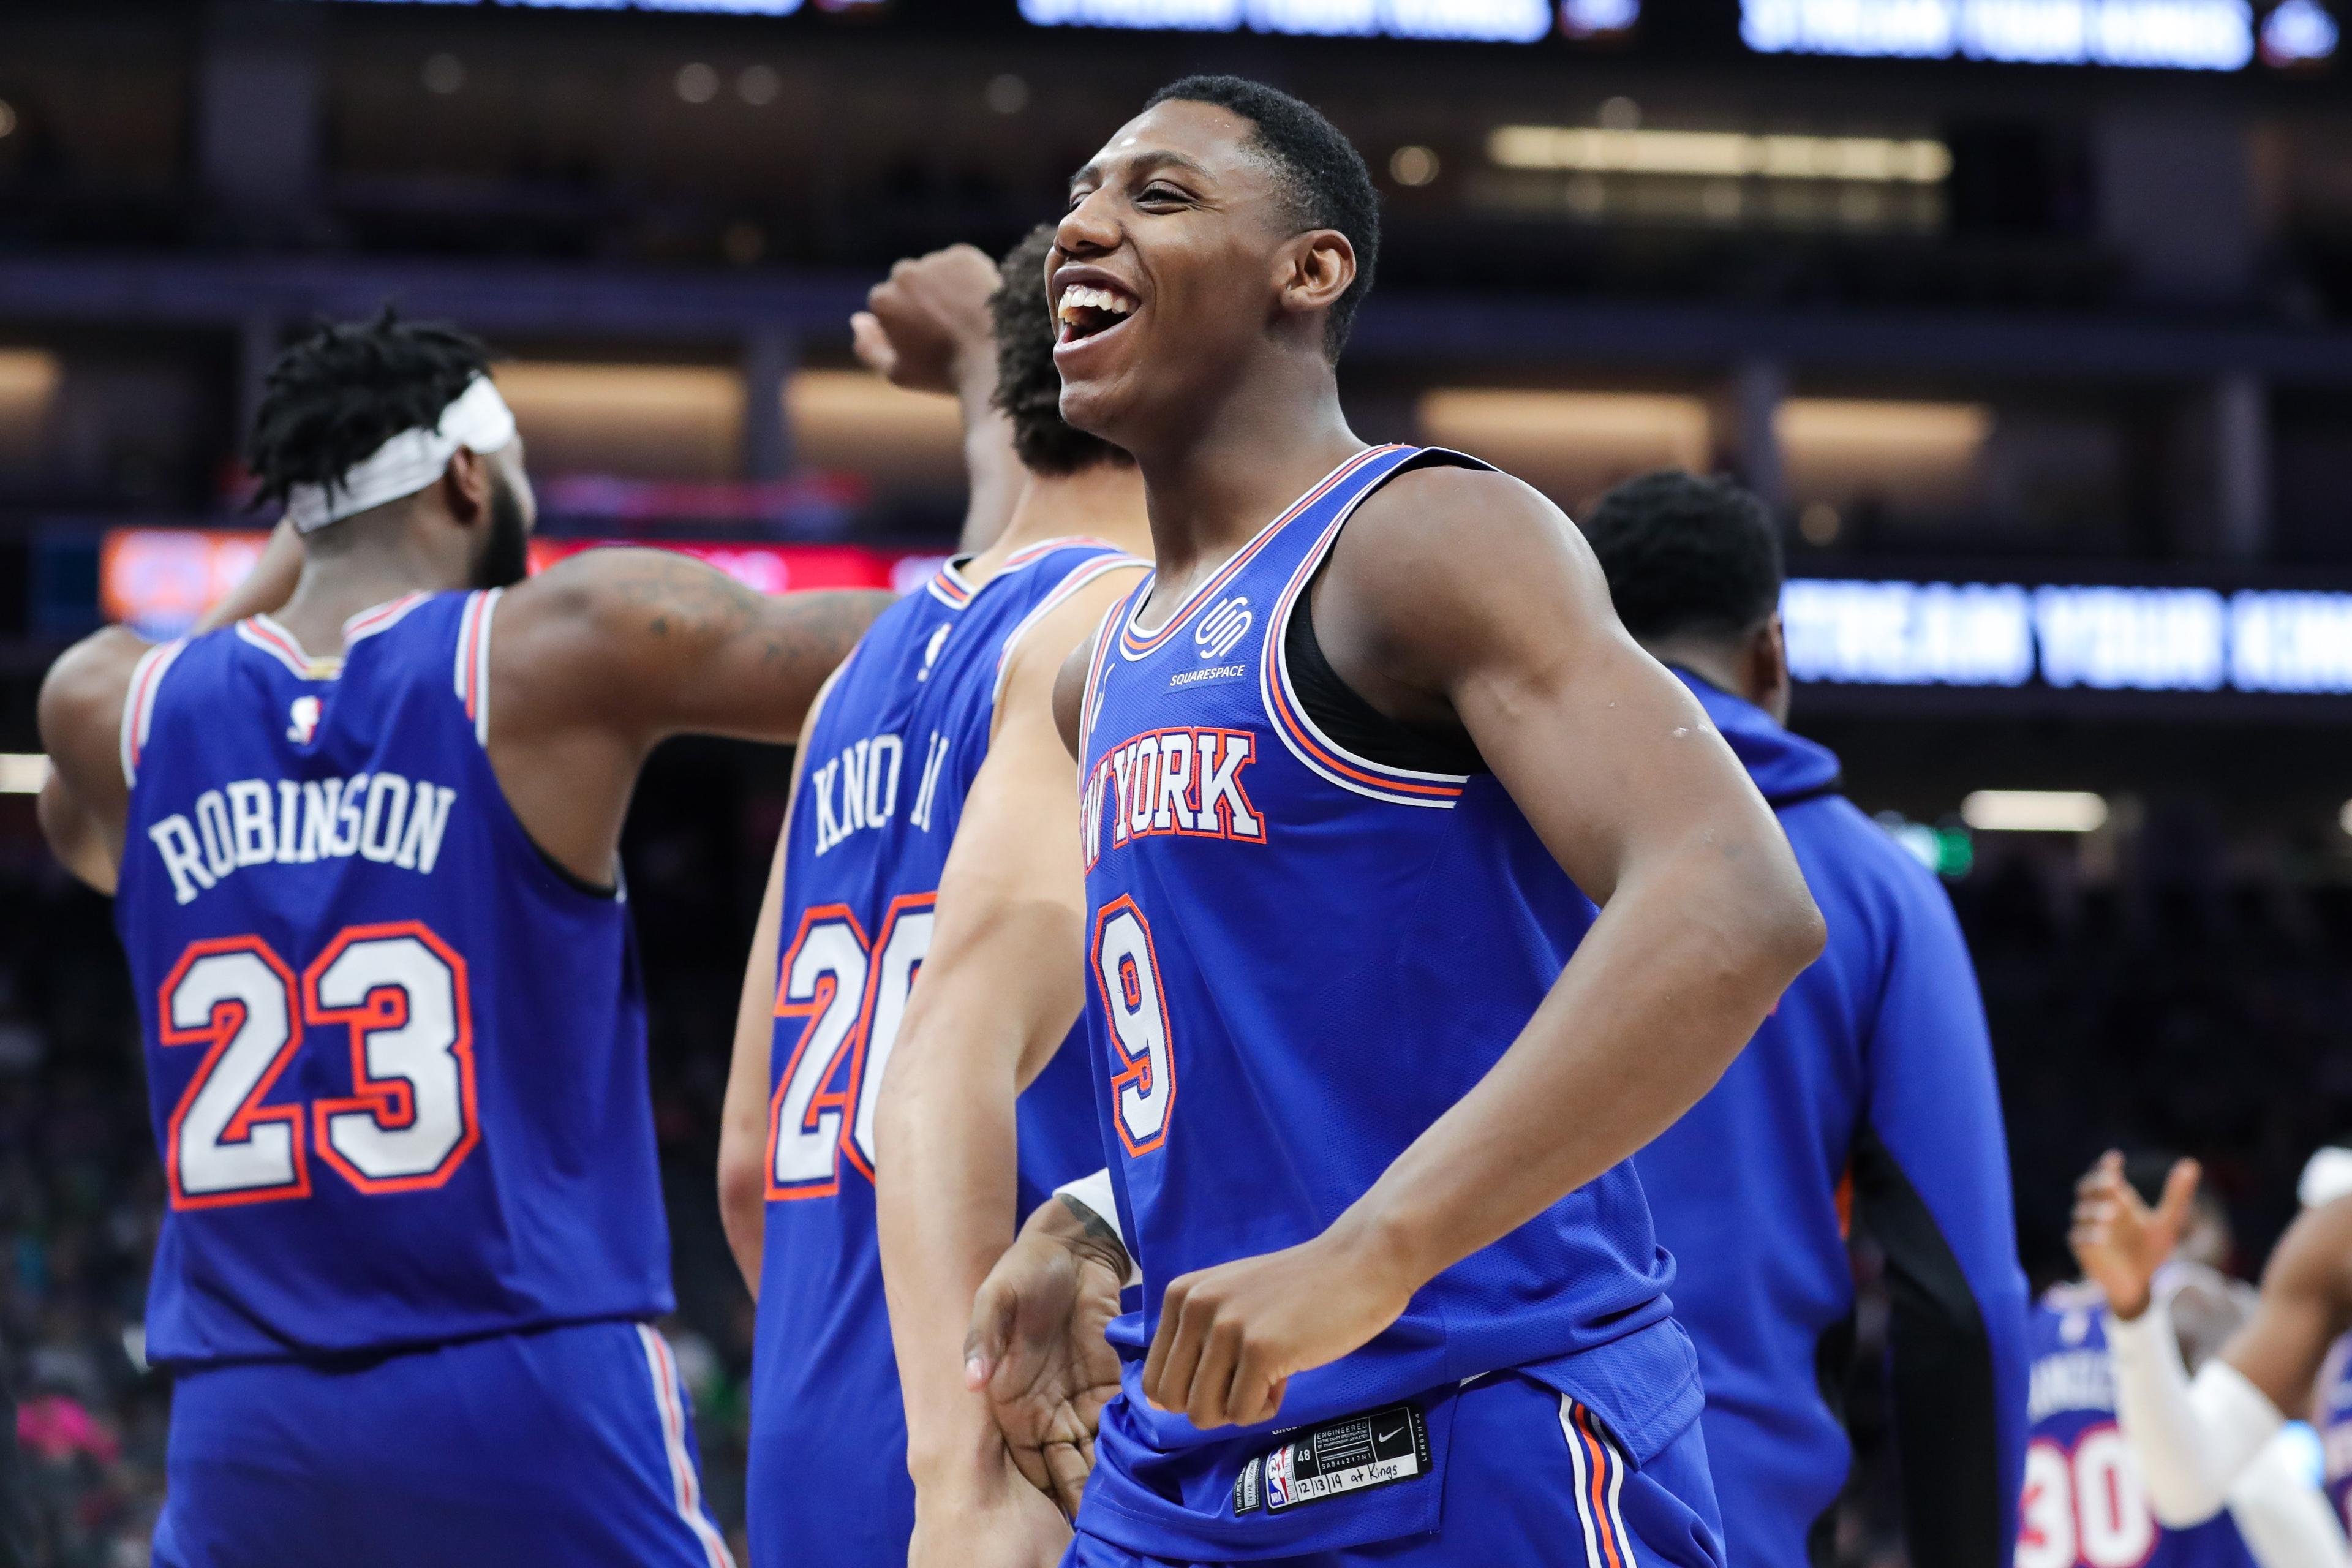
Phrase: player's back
x=889 y=759
x=396 y=1056
x=2084 y=1504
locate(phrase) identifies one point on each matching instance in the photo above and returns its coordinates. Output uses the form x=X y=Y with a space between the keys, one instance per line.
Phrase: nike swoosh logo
x=1386 y=1436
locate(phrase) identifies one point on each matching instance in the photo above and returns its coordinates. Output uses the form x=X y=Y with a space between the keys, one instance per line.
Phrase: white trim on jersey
x=283 y=646
x=1078 y=577
x=686 y=1485
x=470 y=673
x=1606 y=1544
x=139 y=704
x=1441 y=791
x=380 y=618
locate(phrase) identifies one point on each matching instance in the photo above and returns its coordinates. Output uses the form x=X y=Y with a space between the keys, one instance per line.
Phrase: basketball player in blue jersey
x=929 y=773
x=1357 y=761
x=1869 y=1093
x=2201 y=1443
x=2084 y=1504
x=364 y=849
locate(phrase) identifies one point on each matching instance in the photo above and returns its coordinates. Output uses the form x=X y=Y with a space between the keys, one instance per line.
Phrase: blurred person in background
x=2084 y=1504
x=415 y=1242
x=2203 y=1436
x=929 y=832
x=1869 y=1092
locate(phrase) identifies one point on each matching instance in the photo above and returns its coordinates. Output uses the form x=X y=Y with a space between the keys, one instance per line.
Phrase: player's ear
x=1316 y=268
x=465 y=486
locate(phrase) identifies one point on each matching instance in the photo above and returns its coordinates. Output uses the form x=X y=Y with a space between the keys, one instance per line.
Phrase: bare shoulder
x=82 y=705
x=660 y=590
x=1442 y=564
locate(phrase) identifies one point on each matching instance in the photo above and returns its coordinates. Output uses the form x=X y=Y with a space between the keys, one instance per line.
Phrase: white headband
x=479 y=420
x=2326 y=1177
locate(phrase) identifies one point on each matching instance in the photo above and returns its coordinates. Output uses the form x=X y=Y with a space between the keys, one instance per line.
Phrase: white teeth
x=1078 y=296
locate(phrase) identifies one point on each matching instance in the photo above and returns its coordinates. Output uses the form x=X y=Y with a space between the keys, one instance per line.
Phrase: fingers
x=987 y=1333
x=2179 y=1191
x=872 y=344
x=1069 y=1465
x=1168 y=1366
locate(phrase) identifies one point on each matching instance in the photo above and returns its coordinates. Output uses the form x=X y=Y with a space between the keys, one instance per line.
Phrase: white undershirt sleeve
x=2193 y=1441
x=1095 y=1195
x=2284 y=1518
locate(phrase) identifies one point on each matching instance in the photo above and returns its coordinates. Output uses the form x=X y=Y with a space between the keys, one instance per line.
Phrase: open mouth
x=1084 y=311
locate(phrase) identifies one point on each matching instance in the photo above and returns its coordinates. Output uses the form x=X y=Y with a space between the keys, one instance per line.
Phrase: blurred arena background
x=2032 y=317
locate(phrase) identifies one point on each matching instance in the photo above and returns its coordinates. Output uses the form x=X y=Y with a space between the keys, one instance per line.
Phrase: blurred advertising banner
x=157 y=581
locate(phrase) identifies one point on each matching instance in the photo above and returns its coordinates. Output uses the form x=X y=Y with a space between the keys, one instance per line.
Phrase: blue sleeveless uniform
x=888 y=763
x=397 y=1066
x=2084 y=1504
x=1300 y=959
x=2333 y=1415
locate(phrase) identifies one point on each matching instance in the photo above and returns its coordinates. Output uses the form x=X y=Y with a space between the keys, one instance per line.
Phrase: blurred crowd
x=2195 y=1001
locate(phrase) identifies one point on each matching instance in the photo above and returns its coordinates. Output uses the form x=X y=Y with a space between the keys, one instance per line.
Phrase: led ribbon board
x=2092 y=637
x=2176 y=35
x=1476 y=21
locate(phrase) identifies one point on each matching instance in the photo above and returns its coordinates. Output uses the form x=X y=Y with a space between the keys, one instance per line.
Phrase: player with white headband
x=2202 y=1442
x=362 y=829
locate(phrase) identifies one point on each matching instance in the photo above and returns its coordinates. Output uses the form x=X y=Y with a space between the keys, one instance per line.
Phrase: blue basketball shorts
x=1533 y=1482
x=561 y=1446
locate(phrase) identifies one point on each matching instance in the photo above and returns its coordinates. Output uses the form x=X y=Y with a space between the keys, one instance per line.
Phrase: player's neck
x=1102 y=500
x=1212 y=487
x=334 y=588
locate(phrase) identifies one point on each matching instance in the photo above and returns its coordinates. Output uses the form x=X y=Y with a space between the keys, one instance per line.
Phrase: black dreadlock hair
x=347 y=388
x=1324 y=182
x=1686 y=554
x=1028 y=387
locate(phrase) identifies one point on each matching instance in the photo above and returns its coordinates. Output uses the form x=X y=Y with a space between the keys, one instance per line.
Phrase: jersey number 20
x=409 y=1122
x=2084 y=1504
x=854 y=995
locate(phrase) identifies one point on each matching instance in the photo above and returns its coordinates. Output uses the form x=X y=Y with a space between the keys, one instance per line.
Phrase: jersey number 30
x=2084 y=1504
x=407 y=1125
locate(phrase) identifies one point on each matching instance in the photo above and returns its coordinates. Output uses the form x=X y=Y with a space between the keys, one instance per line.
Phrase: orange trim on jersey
x=827 y=986
x=390 y=1101
x=142 y=704
x=1135 y=643
x=472 y=643
x=1305 y=738
x=864 y=1034
x=949 y=587
x=227 y=1018
x=367 y=622
x=1596 y=1486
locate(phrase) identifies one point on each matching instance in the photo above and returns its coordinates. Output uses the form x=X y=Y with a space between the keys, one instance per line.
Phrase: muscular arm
x=1466 y=594
x=1000 y=987
x=598 y=659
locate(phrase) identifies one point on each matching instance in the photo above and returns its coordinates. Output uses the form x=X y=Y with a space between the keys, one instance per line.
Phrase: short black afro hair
x=1028 y=385
x=347 y=388
x=1684 y=555
x=1323 y=177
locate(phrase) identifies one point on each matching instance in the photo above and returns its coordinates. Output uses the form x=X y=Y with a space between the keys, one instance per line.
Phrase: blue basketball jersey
x=397 y=1058
x=2332 y=1413
x=888 y=762
x=2084 y=1504
x=1299 y=959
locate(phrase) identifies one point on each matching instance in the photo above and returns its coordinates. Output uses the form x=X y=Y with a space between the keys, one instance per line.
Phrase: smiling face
x=1178 y=268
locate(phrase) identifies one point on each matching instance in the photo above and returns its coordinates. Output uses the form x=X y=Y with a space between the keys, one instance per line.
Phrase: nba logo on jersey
x=305 y=723
x=1280 y=1480
x=1222 y=626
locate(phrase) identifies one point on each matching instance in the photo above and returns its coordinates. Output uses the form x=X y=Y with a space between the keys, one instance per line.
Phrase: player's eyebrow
x=1149 y=158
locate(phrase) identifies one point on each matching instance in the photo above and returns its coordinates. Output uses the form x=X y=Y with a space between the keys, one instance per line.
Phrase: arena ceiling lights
x=1720 y=154
x=2177 y=35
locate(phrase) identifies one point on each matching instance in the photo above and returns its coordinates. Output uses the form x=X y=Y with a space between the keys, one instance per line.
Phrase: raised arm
x=1464 y=595
x=596 y=660
x=2196 y=1439
x=1000 y=987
